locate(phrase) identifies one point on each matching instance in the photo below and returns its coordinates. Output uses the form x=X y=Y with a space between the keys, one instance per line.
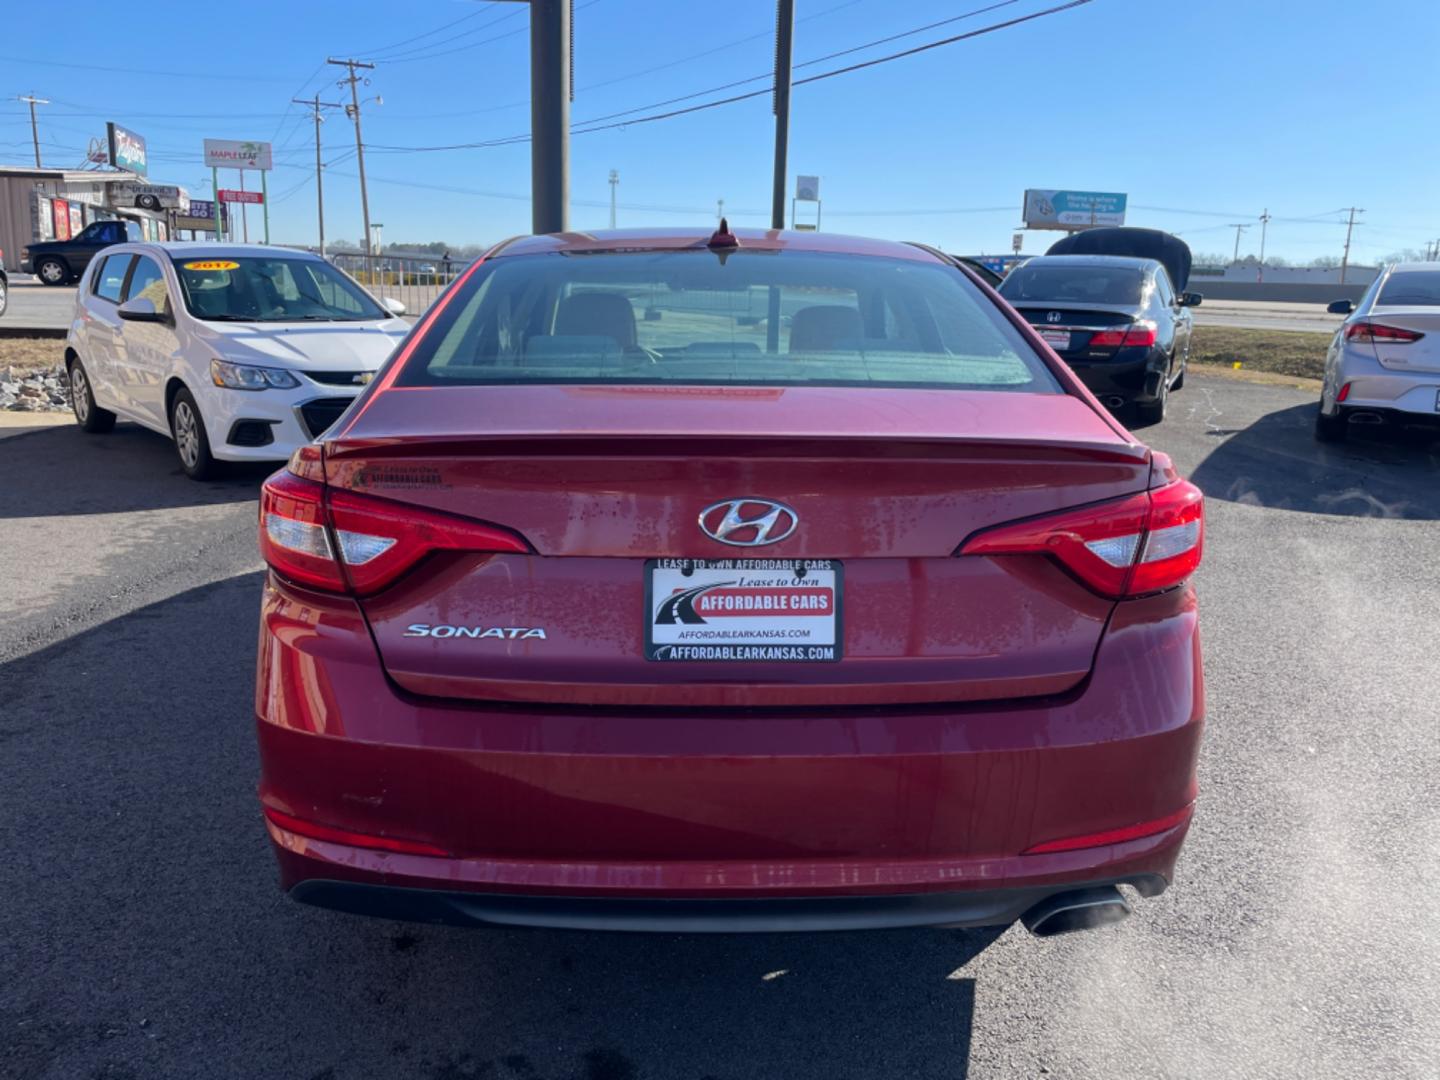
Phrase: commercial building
x=39 y=204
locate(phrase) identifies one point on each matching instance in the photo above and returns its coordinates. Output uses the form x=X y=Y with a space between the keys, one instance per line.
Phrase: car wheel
x=1152 y=412
x=1330 y=429
x=88 y=415
x=52 y=271
x=4 y=295
x=191 y=441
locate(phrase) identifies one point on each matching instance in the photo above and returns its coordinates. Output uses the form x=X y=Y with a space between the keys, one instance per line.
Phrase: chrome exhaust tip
x=1365 y=416
x=1080 y=909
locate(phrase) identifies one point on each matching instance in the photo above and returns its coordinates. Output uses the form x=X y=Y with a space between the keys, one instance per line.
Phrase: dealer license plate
x=743 y=610
x=1059 y=340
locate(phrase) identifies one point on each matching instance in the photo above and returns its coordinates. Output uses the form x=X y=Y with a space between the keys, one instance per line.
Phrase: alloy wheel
x=79 y=393
x=187 y=436
x=52 y=271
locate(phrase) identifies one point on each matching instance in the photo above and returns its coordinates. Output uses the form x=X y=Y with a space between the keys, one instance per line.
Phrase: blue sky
x=1205 y=113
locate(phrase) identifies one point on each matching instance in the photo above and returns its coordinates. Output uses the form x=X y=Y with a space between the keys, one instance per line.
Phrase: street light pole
x=614 y=183
x=784 y=40
x=354 y=111
x=550 y=115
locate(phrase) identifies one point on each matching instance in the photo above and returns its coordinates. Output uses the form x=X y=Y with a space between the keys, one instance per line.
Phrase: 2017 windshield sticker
x=212 y=264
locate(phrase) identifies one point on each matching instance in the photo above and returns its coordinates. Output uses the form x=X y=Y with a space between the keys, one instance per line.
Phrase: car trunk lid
x=1074 y=330
x=608 y=486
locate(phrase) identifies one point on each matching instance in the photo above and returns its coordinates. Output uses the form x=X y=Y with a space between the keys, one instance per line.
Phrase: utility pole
x=719 y=211
x=1264 y=225
x=784 y=40
x=316 y=105
x=354 y=110
x=614 y=183
x=32 y=101
x=1349 y=228
x=1238 y=230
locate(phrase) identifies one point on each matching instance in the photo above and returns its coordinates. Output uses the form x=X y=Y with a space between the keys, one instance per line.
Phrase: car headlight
x=245 y=377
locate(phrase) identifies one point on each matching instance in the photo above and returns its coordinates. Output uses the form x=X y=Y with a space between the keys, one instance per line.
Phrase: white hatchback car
x=238 y=352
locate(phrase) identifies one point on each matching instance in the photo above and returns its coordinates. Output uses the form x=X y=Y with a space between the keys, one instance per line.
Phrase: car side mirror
x=395 y=307
x=1191 y=299
x=1340 y=307
x=141 y=309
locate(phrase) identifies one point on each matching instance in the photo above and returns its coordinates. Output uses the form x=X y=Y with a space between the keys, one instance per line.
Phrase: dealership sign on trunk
x=230 y=154
x=1046 y=209
x=127 y=150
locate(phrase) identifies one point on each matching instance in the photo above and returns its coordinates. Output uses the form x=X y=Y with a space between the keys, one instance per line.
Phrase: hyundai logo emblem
x=748 y=522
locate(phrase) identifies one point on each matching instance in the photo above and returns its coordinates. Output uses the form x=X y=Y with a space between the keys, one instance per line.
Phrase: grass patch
x=1281 y=352
x=30 y=354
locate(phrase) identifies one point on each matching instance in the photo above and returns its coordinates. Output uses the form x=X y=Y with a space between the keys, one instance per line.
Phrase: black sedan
x=1117 y=320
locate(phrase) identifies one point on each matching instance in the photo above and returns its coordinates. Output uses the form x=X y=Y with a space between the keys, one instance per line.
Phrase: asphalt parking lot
x=145 y=938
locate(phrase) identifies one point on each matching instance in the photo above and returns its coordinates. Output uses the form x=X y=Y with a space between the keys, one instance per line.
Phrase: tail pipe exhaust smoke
x=1081 y=909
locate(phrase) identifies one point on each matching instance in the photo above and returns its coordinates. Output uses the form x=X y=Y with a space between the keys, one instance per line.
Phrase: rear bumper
x=973 y=907
x=1132 y=377
x=531 y=804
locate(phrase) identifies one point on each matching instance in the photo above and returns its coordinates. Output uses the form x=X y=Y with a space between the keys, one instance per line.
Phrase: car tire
x=1153 y=412
x=4 y=294
x=192 y=442
x=88 y=415
x=1330 y=429
x=52 y=271
x=1180 y=379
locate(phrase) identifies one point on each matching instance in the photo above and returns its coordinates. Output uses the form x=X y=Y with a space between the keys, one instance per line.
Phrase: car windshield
x=752 y=318
x=1412 y=288
x=247 y=288
x=1079 y=283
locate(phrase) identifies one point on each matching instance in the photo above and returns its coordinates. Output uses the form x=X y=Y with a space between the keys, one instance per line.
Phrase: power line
x=428 y=33
x=586 y=127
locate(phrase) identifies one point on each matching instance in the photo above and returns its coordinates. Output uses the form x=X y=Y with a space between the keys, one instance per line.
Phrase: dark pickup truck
x=59 y=262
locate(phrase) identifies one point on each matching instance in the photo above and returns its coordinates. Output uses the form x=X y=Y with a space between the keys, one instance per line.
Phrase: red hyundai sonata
x=745 y=581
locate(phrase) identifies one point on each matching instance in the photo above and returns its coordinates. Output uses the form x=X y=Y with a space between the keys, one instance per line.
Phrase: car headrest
x=822 y=327
x=597 y=314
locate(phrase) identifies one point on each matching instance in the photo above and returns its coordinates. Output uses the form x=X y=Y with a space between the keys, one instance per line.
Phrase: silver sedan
x=1383 y=366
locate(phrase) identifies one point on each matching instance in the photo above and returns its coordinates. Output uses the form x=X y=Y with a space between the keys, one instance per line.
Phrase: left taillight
x=1374 y=333
x=339 y=541
x=1135 y=546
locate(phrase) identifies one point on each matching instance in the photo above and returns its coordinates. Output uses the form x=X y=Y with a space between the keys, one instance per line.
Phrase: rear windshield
x=753 y=318
x=1419 y=288
x=1053 y=283
x=248 y=288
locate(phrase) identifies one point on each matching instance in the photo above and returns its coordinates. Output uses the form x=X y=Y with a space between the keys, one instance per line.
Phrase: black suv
x=59 y=262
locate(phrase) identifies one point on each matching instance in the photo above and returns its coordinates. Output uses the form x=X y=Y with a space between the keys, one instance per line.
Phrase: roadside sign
x=807 y=189
x=232 y=154
x=1071 y=210
x=229 y=195
x=1017 y=242
x=126 y=149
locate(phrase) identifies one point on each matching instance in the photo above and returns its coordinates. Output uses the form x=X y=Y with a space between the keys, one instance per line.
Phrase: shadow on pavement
x=146 y=934
x=1277 y=463
x=62 y=470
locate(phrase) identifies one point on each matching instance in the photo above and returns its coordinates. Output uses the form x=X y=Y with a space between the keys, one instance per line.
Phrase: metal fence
x=414 y=280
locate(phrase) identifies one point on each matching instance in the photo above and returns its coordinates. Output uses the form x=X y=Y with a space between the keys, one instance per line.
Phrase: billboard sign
x=228 y=195
x=201 y=216
x=230 y=154
x=127 y=150
x=1071 y=210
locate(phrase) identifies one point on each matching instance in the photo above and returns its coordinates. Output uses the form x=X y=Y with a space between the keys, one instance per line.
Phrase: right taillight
x=1141 y=333
x=1142 y=544
x=339 y=541
x=1365 y=332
